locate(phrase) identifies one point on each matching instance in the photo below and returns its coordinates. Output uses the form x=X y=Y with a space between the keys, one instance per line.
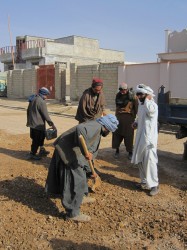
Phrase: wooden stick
x=86 y=153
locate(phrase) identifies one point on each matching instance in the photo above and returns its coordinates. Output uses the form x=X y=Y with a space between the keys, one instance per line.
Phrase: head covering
x=31 y=98
x=123 y=85
x=97 y=82
x=109 y=121
x=142 y=88
x=44 y=91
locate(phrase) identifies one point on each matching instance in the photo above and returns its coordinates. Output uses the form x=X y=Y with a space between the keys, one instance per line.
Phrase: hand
x=149 y=97
x=89 y=157
x=53 y=127
x=134 y=125
x=94 y=176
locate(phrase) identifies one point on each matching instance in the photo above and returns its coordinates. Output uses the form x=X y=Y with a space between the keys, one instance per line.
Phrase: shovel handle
x=81 y=138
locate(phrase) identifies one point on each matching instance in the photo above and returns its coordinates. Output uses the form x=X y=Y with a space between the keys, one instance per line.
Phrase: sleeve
x=151 y=107
x=91 y=136
x=103 y=102
x=135 y=102
x=81 y=111
x=44 y=113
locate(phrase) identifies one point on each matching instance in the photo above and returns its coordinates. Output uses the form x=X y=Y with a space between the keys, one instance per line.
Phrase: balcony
x=6 y=53
x=23 y=51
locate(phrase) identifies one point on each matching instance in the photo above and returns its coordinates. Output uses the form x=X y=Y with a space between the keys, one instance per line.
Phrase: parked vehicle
x=3 y=86
x=173 y=111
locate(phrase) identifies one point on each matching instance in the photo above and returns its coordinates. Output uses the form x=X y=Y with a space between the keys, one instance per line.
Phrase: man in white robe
x=145 y=148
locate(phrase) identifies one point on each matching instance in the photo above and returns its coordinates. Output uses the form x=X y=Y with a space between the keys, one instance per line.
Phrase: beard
x=142 y=99
x=105 y=133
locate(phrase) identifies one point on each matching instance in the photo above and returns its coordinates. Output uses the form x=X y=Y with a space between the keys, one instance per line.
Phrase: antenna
x=12 y=51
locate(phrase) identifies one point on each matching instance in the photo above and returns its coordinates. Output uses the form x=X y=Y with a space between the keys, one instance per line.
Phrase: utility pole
x=12 y=50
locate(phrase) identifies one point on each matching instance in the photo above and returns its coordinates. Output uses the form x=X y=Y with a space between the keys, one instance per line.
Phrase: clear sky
x=136 y=27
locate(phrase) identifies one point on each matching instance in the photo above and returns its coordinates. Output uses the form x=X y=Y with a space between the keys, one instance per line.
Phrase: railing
x=33 y=44
x=7 y=49
x=23 y=46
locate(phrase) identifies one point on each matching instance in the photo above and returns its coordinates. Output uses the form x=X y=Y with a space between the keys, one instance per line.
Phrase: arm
x=91 y=132
x=45 y=115
x=150 y=106
x=103 y=104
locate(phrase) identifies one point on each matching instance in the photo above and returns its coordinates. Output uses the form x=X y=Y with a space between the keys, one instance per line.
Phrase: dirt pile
x=122 y=216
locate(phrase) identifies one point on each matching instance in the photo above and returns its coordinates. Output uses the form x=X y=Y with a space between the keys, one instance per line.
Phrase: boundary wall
x=173 y=75
x=71 y=80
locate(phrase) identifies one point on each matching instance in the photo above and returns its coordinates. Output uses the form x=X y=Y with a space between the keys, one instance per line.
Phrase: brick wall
x=70 y=81
x=21 y=83
x=60 y=82
x=81 y=78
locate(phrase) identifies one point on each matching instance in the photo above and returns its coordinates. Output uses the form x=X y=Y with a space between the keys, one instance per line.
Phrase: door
x=46 y=78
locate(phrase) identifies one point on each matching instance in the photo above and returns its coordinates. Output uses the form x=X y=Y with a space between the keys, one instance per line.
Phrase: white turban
x=141 y=88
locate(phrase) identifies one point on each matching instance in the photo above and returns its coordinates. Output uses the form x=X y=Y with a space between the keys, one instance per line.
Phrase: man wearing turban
x=69 y=167
x=145 y=148
x=92 y=103
x=37 y=116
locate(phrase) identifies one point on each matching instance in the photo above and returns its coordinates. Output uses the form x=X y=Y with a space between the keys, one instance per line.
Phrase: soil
x=122 y=216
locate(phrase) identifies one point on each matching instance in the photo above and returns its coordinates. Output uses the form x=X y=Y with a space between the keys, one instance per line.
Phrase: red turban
x=97 y=82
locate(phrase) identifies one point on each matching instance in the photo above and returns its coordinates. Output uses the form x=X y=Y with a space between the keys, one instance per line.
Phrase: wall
x=81 y=79
x=71 y=81
x=178 y=80
x=172 y=75
x=60 y=82
x=21 y=83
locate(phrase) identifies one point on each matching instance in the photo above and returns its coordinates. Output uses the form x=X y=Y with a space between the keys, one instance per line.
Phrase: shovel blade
x=94 y=183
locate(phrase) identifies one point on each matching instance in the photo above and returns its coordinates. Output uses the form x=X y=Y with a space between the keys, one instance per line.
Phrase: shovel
x=96 y=182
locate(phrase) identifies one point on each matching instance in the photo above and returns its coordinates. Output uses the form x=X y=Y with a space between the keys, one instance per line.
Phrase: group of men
x=69 y=169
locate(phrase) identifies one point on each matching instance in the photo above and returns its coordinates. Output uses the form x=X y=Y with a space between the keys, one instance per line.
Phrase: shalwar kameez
x=145 y=148
x=68 y=167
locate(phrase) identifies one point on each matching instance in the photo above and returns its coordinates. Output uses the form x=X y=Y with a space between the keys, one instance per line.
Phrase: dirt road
x=122 y=217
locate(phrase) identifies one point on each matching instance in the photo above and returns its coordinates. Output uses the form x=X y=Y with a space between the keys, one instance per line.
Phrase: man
x=92 y=102
x=69 y=165
x=126 y=109
x=37 y=116
x=145 y=148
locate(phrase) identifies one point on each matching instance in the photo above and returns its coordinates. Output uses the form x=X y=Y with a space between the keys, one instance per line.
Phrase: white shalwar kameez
x=145 y=148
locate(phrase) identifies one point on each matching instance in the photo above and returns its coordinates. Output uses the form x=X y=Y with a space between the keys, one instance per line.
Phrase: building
x=175 y=47
x=32 y=51
x=70 y=75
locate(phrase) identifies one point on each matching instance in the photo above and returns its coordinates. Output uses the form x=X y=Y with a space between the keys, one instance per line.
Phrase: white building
x=31 y=50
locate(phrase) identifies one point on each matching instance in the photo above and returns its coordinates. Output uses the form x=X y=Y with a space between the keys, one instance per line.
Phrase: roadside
x=54 y=107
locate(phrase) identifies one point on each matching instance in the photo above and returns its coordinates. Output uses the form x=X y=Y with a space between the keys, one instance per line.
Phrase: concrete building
x=31 y=51
x=68 y=79
x=175 y=47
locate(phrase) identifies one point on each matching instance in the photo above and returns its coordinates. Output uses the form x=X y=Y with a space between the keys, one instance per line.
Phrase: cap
x=97 y=82
x=123 y=85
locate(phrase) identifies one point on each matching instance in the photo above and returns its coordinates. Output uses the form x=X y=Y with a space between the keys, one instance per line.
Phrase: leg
x=129 y=134
x=150 y=167
x=75 y=186
x=142 y=173
x=34 y=136
x=116 y=141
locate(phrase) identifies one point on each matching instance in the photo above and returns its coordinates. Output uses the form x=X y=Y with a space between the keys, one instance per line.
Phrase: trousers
x=38 y=137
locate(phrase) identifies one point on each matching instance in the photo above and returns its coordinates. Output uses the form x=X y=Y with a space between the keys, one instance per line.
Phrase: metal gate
x=46 y=78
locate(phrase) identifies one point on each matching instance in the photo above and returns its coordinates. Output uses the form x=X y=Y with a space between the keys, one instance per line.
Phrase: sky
x=136 y=27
